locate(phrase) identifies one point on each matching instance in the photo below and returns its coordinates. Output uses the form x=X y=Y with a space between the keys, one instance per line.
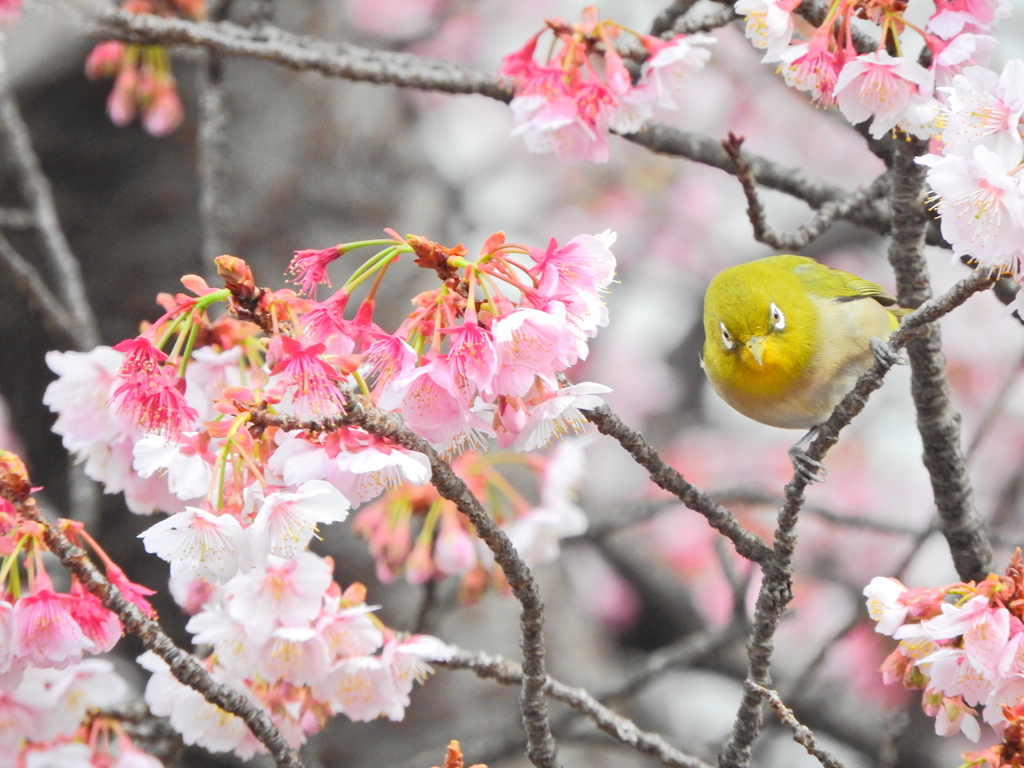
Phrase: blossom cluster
x=56 y=717
x=971 y=113
x=963 y=644
x=236 y=427
x=893 y=91
x=191 y=431
x=567 y=105
x=974 y=172
x=289 y=638
x=144 y=84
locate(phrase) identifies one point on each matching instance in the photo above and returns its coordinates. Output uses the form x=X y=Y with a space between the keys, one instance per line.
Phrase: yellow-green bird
x=786 y=337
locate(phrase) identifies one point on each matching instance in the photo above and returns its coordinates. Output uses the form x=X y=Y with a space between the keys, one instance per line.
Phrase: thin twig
x=35 y=188
x=747 y=544
x=988 y=420
x=822 y=220
x=621 y=728
x=937 y=420
x=729 y=497
x=802 y=735
x=802 y=681
x=185 y=667
x=56 y=319
x=681 y=653
x=212 y=165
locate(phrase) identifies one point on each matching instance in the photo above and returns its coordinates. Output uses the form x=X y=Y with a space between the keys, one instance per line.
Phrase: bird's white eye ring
x=778 y=319
x=726 y=337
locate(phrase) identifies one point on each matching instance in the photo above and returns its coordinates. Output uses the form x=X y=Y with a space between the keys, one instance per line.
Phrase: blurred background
x=313 y=161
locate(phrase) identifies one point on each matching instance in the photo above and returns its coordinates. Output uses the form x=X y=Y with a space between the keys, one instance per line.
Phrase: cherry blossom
x=769 y=24
x=200 y=545
x=986 y=109
x=288 y=519
x=980 y=205
x=895 y=91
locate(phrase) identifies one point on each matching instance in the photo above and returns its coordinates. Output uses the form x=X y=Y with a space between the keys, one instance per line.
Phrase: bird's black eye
x=726 y=336
x=778 y=319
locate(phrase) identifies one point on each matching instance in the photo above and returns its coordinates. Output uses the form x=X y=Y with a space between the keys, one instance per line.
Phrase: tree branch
x=56 y=319
x=747 y=544
x=212 y=164
x=35 y=188
x=618 y=727
x=300 y=53
x=937 y=420
x=802 y=735
x=822 y=221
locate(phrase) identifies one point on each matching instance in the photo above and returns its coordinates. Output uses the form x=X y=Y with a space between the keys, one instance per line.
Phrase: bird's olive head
x=757 y=319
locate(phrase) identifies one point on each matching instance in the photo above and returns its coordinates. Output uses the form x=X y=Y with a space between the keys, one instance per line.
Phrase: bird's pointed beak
x=755 y=346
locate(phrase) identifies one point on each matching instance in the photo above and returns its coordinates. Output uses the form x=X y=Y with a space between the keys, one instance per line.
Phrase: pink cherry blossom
x=950 y=57
x=884 y=604
x=156 y=403
x=296 y=655
x=980 y=205
x=769 y=24
x=529 y=343
x=310 y=268
x=812 y=67
x=455 y=550
x=895 y=91
x=952 y=16
x=99 y=624
x=288 y=519
x=364 y=471
x=200 y=545
x=188 y=473
x=45 y=632
x=472 y=358
x=572 y=126
x=291 y=591
x=79 y=396
x=349 y=632
x=556 y=412
x=306 y=376
x=198 y=721
x=671 y=62
x=951 y=672
x=585 y=263
x=986 y=109
x=427 y=400
x=68 y=694
x=953 y=716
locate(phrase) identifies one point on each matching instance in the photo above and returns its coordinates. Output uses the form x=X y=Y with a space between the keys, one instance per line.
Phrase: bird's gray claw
x=886 y=354
x=809 y=470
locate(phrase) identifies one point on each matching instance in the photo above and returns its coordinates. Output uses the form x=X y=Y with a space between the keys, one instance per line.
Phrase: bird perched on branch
x=786 y=337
